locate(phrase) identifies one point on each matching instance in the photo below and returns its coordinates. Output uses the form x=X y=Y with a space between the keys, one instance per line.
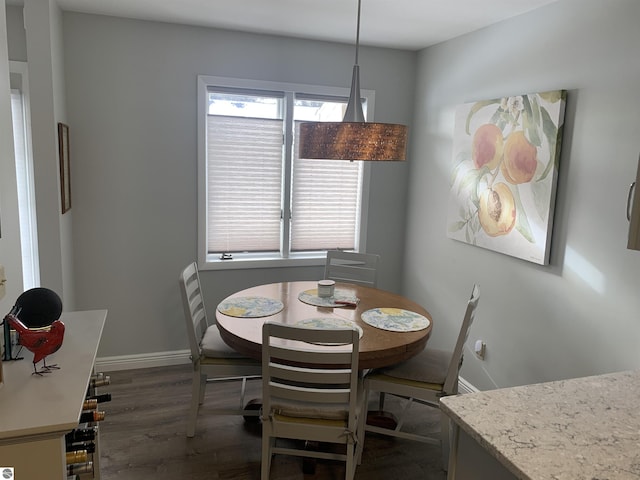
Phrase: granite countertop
x=582 y=428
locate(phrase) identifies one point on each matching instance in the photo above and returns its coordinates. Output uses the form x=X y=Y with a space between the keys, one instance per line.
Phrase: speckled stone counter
x=584 y=428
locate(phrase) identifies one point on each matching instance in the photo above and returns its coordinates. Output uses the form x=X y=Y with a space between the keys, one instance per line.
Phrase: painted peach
x=487 y=145
x=520 y=159
x=497 y=210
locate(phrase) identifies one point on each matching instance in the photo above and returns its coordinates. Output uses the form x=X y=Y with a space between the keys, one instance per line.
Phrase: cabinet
x=37 y=411
x=633 y=213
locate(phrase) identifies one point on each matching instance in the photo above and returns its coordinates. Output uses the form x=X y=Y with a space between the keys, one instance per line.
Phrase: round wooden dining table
x=377 y=348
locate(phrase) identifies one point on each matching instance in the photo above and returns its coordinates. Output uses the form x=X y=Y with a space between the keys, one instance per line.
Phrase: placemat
x=250 y=307
x=328 y=323
x=395 y=319
x=311 y=297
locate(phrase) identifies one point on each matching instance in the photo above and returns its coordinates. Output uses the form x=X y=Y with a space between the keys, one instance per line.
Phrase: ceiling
x=404 y=24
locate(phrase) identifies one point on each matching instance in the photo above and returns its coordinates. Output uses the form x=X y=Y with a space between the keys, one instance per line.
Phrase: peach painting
x=504 y=173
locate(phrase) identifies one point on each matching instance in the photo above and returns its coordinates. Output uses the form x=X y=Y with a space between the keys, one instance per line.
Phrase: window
x=259 y=204
x=24 y=174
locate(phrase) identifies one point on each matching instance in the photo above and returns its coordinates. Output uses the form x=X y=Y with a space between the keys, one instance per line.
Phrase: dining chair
x=310 y=394
x=425 y=379
x=212 y=359
x=352 y=267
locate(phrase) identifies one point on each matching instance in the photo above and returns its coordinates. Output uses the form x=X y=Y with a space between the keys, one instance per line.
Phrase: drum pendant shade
x=353 y=138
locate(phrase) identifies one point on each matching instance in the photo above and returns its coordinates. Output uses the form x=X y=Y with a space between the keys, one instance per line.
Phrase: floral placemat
x=328 y=323
x=395 y=319
x=311 y=297
x=250 y=307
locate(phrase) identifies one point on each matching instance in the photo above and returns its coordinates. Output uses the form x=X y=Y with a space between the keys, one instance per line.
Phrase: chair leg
x=197 y=396
x=445 y=439
x=203 y=387
x=360 y=439
x=362 y=420
x=267 y=445
x=350 y=468
x=381 y=402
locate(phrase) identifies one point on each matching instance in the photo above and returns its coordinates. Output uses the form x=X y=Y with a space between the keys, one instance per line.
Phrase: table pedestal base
x=254 y=404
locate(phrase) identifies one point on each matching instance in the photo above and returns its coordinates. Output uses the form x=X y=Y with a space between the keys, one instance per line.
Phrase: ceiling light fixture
x=353 y=138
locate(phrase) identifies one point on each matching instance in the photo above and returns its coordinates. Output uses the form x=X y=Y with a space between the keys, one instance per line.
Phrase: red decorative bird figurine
x=41 y=342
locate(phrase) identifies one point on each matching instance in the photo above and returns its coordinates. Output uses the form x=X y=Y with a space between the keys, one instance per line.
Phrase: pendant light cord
x=354 y=111
x=358 y=32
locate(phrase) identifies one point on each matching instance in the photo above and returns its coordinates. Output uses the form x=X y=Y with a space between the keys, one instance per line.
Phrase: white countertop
x=48 y=405
x=583 y=428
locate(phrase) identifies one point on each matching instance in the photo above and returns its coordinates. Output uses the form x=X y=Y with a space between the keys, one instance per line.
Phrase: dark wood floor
x=143 y=437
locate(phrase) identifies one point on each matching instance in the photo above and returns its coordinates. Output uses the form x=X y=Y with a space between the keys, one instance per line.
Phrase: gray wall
x=48 y=107
x=17 y=40
x=131 y=103
x=42 y=46
x=581 y=314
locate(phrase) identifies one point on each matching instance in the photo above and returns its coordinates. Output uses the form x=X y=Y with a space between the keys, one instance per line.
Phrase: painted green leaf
x=475 y=200
x=495 y=118
x=477 y=107
x=455 y=171
x=462 y=159
x=552 y=96
x=529 y=122
x=522 y=223
x=501 y=118
x=475 y=223
x=469 y=183
x=535 y=108
x=541 y=193
x=457 y=226
x=554 y=136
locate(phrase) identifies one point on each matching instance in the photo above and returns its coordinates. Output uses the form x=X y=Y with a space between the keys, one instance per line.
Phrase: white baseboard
x=144 y=360
x=180 y=357
x=465 y=387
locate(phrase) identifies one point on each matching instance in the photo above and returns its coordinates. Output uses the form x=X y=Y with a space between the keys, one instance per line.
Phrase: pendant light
x=353 y=138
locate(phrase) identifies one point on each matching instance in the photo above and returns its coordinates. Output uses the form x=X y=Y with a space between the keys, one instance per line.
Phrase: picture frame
x=65 y=167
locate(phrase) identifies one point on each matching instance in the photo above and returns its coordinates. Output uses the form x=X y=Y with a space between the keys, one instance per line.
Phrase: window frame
x=265 y=260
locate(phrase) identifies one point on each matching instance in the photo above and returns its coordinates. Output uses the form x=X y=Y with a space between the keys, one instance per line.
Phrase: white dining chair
x=425 y=379
x=310 y=394
x=212 y=359
x=352 y=267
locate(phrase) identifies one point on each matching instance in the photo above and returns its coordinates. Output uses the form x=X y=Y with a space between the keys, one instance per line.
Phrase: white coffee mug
x=326 y=288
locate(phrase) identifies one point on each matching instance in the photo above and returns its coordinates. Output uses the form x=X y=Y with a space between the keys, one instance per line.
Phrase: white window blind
x=26 y=195
x=245 y=184
x=325 y=204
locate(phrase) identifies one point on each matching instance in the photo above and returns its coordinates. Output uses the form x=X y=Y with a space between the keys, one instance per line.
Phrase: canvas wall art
x=504 y=173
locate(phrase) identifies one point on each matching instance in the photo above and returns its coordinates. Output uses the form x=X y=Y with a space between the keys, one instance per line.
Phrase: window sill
x=213 y=262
